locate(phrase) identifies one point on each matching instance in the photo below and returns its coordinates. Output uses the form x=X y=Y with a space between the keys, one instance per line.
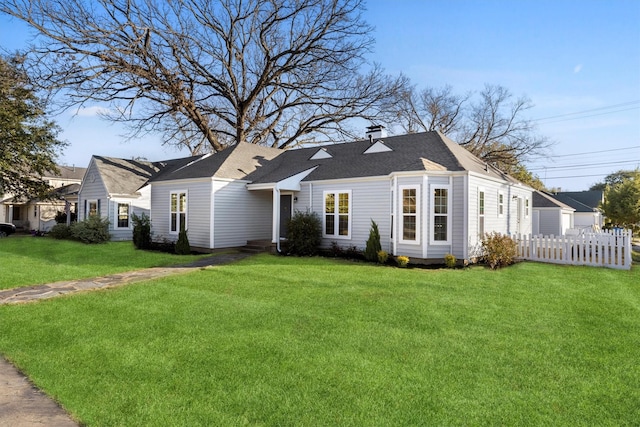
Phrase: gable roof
x=543 y=200
x=427 y=151
x=591 y=198
x=233 y=163
x=576 y=204
x=124 y=176
x=66 y=172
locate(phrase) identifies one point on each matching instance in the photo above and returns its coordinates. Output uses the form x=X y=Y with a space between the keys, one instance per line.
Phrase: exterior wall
x=370 y=200
x=198 y=210
x=587 y=220
x=240 y=214
x=515 y=218
x=92 y=190
x=550 y=223
x=138 y=205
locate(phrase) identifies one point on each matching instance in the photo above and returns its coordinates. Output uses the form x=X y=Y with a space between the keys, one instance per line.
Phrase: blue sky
x=578 y=61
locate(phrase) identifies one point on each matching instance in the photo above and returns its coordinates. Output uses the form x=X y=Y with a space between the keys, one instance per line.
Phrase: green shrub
x=304 y=233
x=499 y=250
x=402 y=261
x=182 y=245
x=383 y=257
x=373 y=243
x=94 y=229
x=450 y=260
x=60 y=231
x=141 y=231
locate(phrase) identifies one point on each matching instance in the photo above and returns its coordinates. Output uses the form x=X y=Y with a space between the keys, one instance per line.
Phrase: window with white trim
x=410 y=216
x=500 y=204
x=526 y=208
x=178 y=211
x=92 y=208
x=481 y=213
x=122 y=215
x=337 y=214
x=440 y=215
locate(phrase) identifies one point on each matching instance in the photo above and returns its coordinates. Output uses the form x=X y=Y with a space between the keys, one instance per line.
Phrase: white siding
x=240 y=215
x=92 y=189
x=198 y=210
x=370 y=200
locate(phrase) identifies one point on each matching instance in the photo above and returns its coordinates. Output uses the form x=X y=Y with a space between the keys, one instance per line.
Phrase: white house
x=115 y=188
x=551 y=217
x=428 y=195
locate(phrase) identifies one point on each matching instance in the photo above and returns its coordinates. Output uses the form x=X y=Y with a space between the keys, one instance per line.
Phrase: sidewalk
x=21 y=403
x=38 y=292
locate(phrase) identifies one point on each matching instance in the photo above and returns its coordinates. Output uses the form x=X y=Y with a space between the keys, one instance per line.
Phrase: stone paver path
x=22 y=404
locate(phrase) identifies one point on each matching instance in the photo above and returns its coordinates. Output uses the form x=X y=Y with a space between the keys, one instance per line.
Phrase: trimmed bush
x=141 y=231
x=450 y=260
x=60 y=231
x=499 y=250
x=182 y=245
x=94 y=229
x=383 y=257
x=304 y=233
x=402 y=261
x=373 y=243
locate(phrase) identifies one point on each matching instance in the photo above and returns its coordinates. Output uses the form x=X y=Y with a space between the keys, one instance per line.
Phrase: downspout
x=394 y=231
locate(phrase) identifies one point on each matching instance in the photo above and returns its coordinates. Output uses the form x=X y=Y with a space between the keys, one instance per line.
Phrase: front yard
x=311 y=341
x=27 y=260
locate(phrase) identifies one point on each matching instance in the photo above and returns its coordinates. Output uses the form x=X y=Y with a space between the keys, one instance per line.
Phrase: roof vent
x=376 y=132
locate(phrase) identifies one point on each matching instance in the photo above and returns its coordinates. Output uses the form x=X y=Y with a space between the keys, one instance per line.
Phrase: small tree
x=304 y=233
x=373 y=243
x=182 y=245
x=141 y=231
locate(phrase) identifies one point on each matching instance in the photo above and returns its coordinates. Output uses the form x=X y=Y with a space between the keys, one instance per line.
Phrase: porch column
x=10 y=219
x=275 y=227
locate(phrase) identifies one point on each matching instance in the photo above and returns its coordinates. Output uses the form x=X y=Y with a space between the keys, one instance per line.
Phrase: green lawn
x=288 y=341
x=29 y=260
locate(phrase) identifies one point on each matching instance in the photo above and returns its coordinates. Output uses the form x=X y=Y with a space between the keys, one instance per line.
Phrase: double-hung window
x=91 y=208
x=122 y=215
x=337 y=214
x=500 y=204
x=178 y=215
x=440 y=215
x=409 y=219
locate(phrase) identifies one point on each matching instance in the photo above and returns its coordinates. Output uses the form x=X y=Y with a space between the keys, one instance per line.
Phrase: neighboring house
x=428 y=195
x=116 y=188
x=39 y=214
x=551 y=217
x=587 y=204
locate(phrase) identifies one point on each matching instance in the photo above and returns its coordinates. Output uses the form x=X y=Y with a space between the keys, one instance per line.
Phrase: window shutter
x=98 y=207
x=86 y=215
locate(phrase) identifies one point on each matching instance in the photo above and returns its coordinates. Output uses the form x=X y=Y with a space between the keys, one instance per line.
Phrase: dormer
x=377 y=147
x=321 y=154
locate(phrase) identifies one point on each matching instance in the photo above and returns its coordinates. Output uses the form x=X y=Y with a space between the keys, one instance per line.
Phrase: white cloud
x=577 y=69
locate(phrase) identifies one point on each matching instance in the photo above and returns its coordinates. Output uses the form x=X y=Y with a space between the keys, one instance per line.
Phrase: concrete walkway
x=21 y=403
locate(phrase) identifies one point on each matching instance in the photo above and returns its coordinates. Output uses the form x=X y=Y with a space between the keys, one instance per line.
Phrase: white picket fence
x=611 y=249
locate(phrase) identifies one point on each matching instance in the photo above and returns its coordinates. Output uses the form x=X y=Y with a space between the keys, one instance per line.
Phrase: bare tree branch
x=261 y=71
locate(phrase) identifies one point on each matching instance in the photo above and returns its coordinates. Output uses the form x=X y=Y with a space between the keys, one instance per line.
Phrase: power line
x=575 y=176
x=595 y=152
x=624 y=104
x=584 y=165
x=591 y=115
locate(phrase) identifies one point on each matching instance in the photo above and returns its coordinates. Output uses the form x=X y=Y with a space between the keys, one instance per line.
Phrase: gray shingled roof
x=591 y=198
x=577 y=205
x=67 y=172
x=414 y=152
x=544 y=200
x=123 y=176
x=233 y=163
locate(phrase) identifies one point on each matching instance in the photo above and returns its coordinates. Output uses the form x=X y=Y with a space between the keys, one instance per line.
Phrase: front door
x=285 y=213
